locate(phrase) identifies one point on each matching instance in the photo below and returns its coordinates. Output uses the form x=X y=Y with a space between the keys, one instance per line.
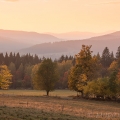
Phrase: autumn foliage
x=5 y=77
x=95 y=76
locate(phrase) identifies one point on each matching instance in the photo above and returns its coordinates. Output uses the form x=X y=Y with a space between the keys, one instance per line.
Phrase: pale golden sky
x=60 y=16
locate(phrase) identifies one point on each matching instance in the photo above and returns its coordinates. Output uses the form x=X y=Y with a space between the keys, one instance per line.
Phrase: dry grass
x=59 y=107
x=61 y=93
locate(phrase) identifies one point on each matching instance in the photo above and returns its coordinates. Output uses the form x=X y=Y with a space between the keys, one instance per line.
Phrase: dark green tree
x=17 y=60
x=118 y=53
x=98 y=56
x=62 y=58
x=112 y=57
x=6 y=59
x=36 y=59
x=1 y=58
x=106 y=58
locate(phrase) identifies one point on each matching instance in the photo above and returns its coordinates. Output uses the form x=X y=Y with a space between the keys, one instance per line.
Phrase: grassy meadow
x=60 y=105
x=61 y=93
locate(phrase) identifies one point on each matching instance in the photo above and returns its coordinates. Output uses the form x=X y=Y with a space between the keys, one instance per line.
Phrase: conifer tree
x=106 y=58
x=118 y=53
x=6 y=59
x=1 y=58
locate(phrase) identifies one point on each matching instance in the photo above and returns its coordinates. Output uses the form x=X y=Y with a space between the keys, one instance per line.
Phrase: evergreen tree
x=36 y=59
x=6 y=59
x=66 y=58
x=70 y=57
x=106 y=58
x=112 y=57
x=17 y=60
x=98 y=56
x=1 y=58
x=118 y=53
x=11 y=57
x=61 y=58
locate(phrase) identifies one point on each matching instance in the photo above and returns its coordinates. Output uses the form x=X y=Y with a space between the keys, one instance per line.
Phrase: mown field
x=60 y=105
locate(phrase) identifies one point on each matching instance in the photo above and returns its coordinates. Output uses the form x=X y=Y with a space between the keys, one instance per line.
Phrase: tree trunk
x=80 y=91
x=47 y=93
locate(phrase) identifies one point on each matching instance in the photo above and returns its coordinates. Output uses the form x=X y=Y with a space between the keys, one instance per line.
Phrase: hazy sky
x=60 y=15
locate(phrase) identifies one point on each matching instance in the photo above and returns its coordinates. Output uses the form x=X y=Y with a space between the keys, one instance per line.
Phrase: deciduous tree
x=84 y=69
x=5 y=77
x=47 y=75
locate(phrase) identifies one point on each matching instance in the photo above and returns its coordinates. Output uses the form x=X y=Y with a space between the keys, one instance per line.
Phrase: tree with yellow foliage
x=84 y=69
x=5 y=77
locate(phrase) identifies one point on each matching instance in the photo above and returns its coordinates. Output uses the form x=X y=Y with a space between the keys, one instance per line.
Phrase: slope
x=71 y=47
x=28 y=37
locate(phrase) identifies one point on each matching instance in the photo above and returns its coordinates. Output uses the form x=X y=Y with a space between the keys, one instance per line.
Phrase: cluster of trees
x=92 y=76
x=22 y=69
x=96 y=76
x=50 y=75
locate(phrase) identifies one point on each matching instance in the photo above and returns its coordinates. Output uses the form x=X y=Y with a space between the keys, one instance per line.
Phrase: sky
x=59 y=16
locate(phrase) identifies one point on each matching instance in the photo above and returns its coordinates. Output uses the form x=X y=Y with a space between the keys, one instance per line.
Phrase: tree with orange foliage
x=84 y=69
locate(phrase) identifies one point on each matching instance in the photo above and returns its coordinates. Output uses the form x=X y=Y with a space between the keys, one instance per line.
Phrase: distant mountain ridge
x=11 y=40
x=76 y=35
x=72 y=47
x=8 y=44
x=31 y=37
x=50 y=46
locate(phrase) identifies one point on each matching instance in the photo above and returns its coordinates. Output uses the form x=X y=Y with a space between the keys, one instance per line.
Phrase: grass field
x=61 y=93
x=33 y=105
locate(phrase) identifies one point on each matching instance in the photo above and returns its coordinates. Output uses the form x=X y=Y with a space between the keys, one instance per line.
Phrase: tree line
x=96 y=76
x=92 y=76
x=21 y=68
